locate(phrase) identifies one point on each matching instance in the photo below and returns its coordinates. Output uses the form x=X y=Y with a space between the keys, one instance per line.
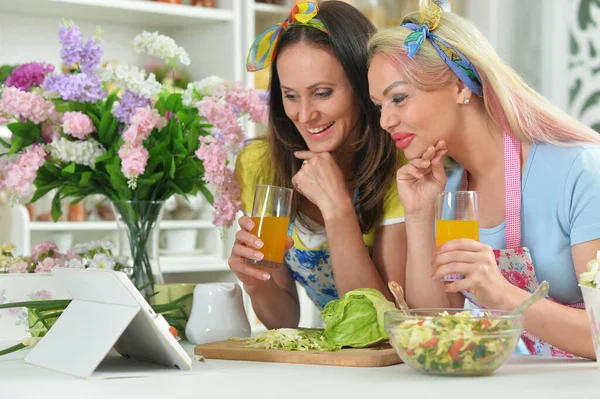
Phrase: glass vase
x=138 y=228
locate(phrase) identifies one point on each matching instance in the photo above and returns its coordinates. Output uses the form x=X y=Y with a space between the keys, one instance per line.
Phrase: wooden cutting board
x=382 y=355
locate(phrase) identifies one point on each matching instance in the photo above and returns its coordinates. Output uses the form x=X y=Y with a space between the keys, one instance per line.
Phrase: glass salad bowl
x=454 y=341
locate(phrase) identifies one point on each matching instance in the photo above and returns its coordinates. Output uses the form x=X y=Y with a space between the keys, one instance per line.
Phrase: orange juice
x=272 y=230
x=446 y=230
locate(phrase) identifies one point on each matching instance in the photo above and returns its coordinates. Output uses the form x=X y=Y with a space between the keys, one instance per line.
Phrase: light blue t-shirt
x=560 y=207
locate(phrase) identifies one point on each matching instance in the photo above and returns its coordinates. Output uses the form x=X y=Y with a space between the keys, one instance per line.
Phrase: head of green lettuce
x=356 y=319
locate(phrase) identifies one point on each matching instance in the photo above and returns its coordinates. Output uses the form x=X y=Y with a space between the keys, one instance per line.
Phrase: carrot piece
x=455 y=349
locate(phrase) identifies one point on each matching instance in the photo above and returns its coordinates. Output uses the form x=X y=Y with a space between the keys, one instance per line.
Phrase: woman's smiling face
x=317 y=97
x=415 y=118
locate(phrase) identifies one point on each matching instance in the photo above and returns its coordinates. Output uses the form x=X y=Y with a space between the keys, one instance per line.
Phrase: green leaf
x=118 y=181
x=596 y=127
x=56 y=208
x=72 y=191
x=112 y=132
x=95 y=119
x=173 y=168
x=69 y=168
x=105 y=157
x=85 y=178
x=5 y=71
x=103 y=128
x=207 y=194
x=174 y=102
x=43 y=190
x=175 y=188
x=24 y=134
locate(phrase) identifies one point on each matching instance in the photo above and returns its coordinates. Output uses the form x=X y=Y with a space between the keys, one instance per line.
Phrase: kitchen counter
x=520 y=377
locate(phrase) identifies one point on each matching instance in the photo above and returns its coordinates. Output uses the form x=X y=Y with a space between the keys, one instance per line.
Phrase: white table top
x=521 y=377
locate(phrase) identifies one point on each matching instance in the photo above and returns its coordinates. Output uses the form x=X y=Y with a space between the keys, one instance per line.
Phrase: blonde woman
x=443 y=91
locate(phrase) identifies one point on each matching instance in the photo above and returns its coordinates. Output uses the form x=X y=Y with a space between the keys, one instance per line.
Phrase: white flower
x=160 y=46
x=80 y=152
x=204 y=87
x=83 y=248
x=132 y=78
x=102 y=261
x=591 y=278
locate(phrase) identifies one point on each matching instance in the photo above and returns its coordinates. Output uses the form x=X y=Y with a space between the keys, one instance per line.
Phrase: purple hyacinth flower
x=91 y=56
x=70 y=39
x=128 y=103
x=79 y=87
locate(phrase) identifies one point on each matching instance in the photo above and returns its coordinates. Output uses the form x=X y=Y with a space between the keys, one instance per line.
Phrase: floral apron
x=515 y=262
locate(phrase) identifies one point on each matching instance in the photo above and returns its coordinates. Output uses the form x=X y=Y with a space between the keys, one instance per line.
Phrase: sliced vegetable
x=290 y=339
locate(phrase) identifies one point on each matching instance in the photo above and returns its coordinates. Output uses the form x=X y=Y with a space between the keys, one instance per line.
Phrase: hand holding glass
x=271 y=217
x=456 y=217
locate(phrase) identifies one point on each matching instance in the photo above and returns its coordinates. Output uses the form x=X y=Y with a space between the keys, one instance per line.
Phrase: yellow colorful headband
x=262 y=51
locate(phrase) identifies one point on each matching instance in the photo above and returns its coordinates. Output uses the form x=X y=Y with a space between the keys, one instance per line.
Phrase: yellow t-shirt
x=309 y=260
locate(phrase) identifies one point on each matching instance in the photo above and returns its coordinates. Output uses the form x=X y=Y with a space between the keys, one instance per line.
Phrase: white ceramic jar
x=217 y=314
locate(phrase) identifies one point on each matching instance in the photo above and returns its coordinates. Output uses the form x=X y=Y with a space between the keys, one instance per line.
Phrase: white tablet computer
x=106 y=311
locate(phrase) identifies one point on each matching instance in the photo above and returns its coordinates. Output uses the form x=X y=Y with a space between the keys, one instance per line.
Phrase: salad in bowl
x=454 y=341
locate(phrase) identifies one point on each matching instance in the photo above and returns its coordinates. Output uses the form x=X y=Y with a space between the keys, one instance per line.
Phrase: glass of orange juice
x=271 y=216
x=456 y=217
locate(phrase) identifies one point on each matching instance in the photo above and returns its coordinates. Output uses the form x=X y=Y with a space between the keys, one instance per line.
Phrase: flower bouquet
x=590 y=288
x=136 y=146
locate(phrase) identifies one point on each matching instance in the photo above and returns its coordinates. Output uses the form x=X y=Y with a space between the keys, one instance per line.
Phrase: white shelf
x=111 y=226
x=132 y=12
x=72 y=226
x=264 y=9
x=186 y=224
x=189 y=264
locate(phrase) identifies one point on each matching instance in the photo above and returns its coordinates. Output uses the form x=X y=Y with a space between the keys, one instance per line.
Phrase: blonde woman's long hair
x=509 y=101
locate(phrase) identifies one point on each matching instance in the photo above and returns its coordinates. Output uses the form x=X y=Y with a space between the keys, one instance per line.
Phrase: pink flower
x=15 y=102
x=43 y=248
x=19 y=267
x=30 y=74
x=42 y=294
x=515 y=278
x=224 y=117
x=45 y=266
x=78 y=125
x=133 y=161
x=51 y=127
x=5 y=165
x=147 y=119
x=142 y=123
x=20 y=175
x=227 y=203
x=16 y=311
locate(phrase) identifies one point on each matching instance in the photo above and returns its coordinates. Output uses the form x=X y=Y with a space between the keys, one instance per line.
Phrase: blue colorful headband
x=431 y=11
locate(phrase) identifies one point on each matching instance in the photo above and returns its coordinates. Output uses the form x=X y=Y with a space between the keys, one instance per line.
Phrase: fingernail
x=258 y=243
x=250 y=225
x=258 y=255
x=265 y=276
